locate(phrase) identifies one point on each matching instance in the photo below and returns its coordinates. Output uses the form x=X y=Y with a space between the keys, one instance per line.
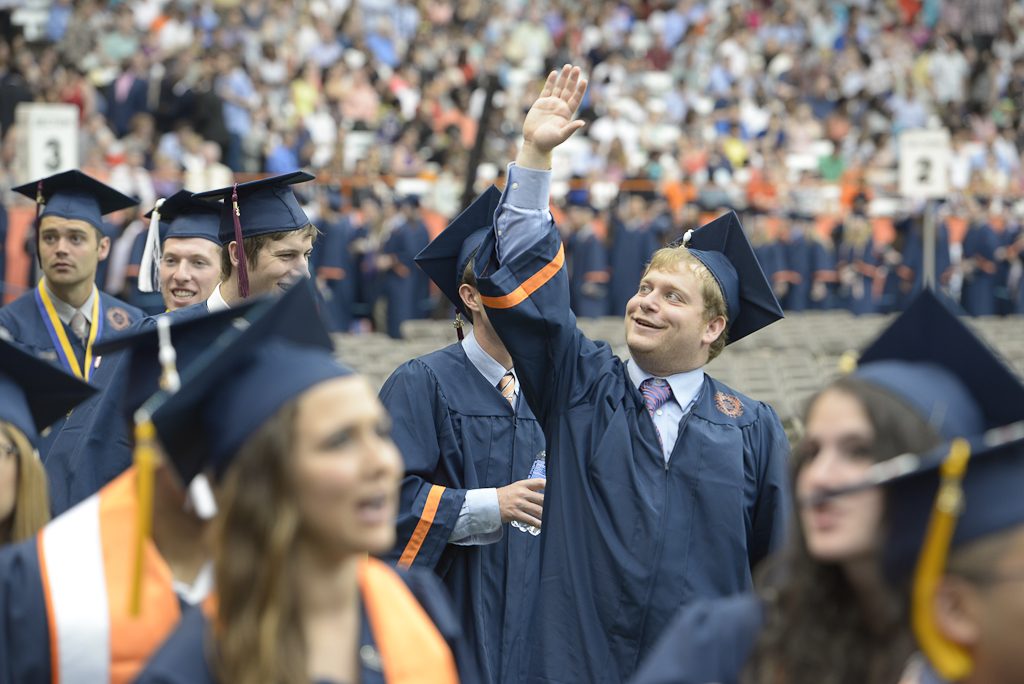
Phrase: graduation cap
x=190 y=338
x=33 y=393
x=73 y=195
x=958 y=494
x=256 y=208
x=178 y=216
x=241 y=380
x=444 y=259
x=932 y=360
x=723 y=248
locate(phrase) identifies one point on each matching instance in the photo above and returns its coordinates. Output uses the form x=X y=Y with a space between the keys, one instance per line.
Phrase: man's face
x=189 y=271
x=665 y=327
x=999 y=614
x=280 y=264
x=70 y=250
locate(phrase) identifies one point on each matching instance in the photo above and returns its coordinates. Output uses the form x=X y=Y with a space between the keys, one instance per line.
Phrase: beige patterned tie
x=507 y=387
x=79 y=326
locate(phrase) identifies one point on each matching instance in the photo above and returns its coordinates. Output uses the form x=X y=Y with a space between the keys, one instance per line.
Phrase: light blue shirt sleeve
x=479 y=521
x=522 y=216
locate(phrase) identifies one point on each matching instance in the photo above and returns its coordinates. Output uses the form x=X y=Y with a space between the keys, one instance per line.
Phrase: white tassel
x=201 y=498
x=149 y=279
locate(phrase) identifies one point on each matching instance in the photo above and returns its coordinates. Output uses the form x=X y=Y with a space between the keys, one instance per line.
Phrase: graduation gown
x=588 y=274
x=71 y=583
x=628 y=537
x=979 y=290
x=182 y=659
x=708 y=641
x=406 y=287
x=456 y=432
x=631 y=249
x=339 y=269
x=150 y=302
x=799 y=260
x=74 y=473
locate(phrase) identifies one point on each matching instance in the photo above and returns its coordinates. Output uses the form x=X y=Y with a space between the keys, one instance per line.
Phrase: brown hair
x=674 y=259
x=252 y=246
x=32 y=498
x=258 y=634
x=469 y=278
x=816 y=630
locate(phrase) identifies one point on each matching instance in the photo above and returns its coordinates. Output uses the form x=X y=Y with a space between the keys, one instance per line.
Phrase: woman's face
x=838 y=451
x=347 y=469
x=8 y=478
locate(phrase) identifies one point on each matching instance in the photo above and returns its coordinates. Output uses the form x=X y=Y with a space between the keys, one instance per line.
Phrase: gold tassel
x=145 y=473
x=950 y=660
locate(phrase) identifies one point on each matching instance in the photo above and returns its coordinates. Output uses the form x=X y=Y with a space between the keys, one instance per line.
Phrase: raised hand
x=549 y=122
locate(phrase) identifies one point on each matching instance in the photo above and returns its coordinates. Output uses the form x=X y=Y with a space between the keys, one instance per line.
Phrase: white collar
x=65 y=311
x=195 y=593
x=216 y=302
x=685 y=386
x=484 y=362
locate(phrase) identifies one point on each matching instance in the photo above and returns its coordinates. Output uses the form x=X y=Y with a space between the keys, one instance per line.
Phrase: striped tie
x=656 y=392
x=507 y=387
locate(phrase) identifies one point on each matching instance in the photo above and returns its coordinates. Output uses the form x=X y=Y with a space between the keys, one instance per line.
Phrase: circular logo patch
x=118 y=318
x=728 y=404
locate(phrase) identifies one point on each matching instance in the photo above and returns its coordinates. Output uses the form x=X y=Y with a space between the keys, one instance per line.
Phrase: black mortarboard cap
x=74 y=195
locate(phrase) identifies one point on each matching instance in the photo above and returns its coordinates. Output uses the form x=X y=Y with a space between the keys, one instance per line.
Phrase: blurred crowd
x=782 y=109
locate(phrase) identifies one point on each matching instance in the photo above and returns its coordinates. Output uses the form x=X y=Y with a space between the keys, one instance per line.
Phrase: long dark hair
x=816 y=629
x=258 y=631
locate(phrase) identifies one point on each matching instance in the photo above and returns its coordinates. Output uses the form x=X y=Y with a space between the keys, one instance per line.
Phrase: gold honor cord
x=62 y=337
x=950 y=660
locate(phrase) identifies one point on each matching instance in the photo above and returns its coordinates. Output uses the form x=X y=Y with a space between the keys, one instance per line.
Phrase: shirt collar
x=216 y=302
x=195 y=593
x=65 y=311
x=484 y=362
x=685 y=386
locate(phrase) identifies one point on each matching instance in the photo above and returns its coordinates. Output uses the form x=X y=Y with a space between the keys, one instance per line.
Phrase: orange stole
x=133 y=639
x=412 y=649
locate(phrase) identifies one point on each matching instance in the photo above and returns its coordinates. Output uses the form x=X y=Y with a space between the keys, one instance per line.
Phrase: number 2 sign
x=924 y=157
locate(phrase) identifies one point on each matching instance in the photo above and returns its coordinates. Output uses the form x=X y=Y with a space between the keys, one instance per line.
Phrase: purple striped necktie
x=656 y=392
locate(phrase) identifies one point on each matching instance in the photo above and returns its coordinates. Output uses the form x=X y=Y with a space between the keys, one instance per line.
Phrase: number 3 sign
x=924 y=163
x=47 y=139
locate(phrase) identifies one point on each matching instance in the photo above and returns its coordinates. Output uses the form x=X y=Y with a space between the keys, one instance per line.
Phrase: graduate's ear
x=956 y=608
x=715 y=328
x=104 y=248
x=233 y=253
x=470 y=297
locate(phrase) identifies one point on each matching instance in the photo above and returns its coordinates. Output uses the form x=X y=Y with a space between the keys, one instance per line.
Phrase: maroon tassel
x=40 y=201
x=243 y=271
x=34 y=236
x=458 y=324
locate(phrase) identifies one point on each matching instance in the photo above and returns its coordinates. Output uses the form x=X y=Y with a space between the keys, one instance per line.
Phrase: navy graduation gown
x=24 y=629
x=456 y=431
x=979 y=290
x=75 y=473
x=588 y=274
x=799 y=262
x=823 y=263
x=182 y=658
x=405 y=286
x=627 y=538
x=631 y=249
x=708 y=641
x=339 y=269
x=150 y=302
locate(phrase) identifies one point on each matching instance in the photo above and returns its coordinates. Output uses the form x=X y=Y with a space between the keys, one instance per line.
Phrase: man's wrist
x=532 y=158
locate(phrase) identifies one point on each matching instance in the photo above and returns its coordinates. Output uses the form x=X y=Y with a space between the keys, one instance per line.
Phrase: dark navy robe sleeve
x=422 y=431
x=767 y=442
x=24 y=631
x=707 y=641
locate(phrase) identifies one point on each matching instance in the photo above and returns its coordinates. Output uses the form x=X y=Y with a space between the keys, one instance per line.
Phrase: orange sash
x=412 y=649
x=85 y=563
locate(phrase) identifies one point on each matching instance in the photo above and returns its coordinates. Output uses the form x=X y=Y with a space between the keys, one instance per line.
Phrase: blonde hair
x=32 y=497
x=675 y=259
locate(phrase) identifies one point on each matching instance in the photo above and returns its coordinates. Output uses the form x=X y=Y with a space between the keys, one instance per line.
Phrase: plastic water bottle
x=539 y=469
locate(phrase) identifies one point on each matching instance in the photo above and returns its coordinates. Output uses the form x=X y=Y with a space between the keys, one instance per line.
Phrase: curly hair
x=815 y=629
